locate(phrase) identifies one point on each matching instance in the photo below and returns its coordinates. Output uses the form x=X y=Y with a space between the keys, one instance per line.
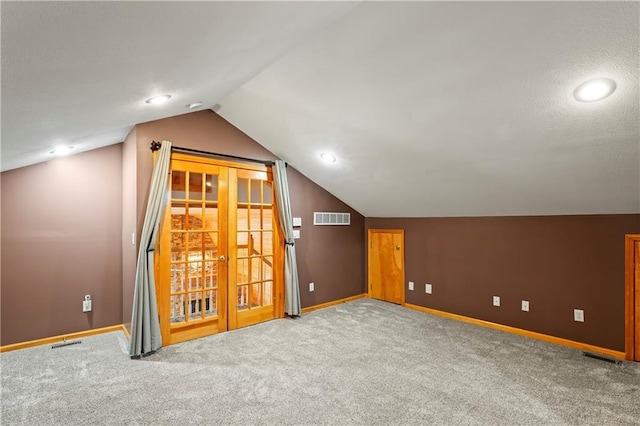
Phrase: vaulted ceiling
x=431 y=108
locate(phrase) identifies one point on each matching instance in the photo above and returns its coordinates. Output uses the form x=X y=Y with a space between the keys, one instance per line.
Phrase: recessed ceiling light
x=61 y=150
x=193 y=105
x=156 y=100
x=328 y=158
x=594 y=90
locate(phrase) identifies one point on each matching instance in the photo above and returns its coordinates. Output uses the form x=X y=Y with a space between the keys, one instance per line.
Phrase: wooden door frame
x=379 y=230
x=631 y=296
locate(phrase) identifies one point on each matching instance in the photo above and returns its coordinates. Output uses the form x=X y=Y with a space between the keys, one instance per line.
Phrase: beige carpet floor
x=365 y=362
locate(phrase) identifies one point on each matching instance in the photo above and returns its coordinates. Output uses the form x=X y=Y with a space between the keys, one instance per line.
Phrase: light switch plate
x=312 y=286
x=296 y=234
x=297 y=221
x=428 y=288
x=578 y=315
x=496 y=300
x=411 y=285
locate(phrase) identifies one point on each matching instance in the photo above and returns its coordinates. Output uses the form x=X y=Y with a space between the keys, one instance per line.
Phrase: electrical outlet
x=311 y=286
x=428 y=288
x=578 y=315
x=296 y=234
x=411 y=285
x=525 y=305
x=496 y=300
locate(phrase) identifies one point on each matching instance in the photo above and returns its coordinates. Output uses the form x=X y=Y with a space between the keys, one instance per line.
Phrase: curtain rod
x=156 y=146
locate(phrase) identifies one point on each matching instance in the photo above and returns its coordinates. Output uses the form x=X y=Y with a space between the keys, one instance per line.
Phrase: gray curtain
x=145 y=324
x=283 y=203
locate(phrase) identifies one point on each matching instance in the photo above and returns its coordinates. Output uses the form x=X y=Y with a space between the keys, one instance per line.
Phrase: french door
x=220 y=256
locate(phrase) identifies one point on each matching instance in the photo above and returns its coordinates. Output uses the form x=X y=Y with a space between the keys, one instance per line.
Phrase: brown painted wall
x=61 y=239
x=557 y=263
x=66 y=232
x=331 y=257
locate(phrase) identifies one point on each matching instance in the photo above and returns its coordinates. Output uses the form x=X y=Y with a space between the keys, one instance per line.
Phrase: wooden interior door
x=218 y=250
x=636 y=291
x=386 y=265
x=632 y=297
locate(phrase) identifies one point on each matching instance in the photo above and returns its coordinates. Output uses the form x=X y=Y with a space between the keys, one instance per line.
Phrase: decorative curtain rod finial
x=155 y=146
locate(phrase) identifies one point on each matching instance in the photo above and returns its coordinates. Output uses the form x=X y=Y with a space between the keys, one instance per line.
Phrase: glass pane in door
x=193 y=292
x=243 y=297
x=178 y=184
x=177 y=308
x=210 y=220
x=211 y=303
x=211 y=188
x=195 y=306
x=266 y=193
x=243 y=190
x=210 y=274
x=254 y=295
x=268 y=293
x=254 y=233
x=267 y=218
x=177 y=277
x=178 y=210
x=195 y=186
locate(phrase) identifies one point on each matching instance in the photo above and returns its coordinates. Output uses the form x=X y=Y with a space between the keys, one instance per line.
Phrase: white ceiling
x=78 y=73
x=433 y=108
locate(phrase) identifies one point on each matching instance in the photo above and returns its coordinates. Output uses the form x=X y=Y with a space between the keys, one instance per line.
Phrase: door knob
x=222 y=258
x=397 y=247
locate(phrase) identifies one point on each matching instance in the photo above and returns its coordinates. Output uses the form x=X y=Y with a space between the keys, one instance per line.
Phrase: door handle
x=223 y=258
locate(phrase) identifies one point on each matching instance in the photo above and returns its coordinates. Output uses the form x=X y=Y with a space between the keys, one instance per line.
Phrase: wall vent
x=602 y=358
x=328 y=218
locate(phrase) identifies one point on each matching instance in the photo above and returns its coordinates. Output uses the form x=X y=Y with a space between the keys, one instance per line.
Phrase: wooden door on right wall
x=636 y=297
x=632 y=297
x=636 y=287
x=386 y=265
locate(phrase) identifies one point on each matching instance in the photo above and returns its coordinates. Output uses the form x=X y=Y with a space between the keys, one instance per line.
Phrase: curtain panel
x=145 y=324
x=283 y=203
